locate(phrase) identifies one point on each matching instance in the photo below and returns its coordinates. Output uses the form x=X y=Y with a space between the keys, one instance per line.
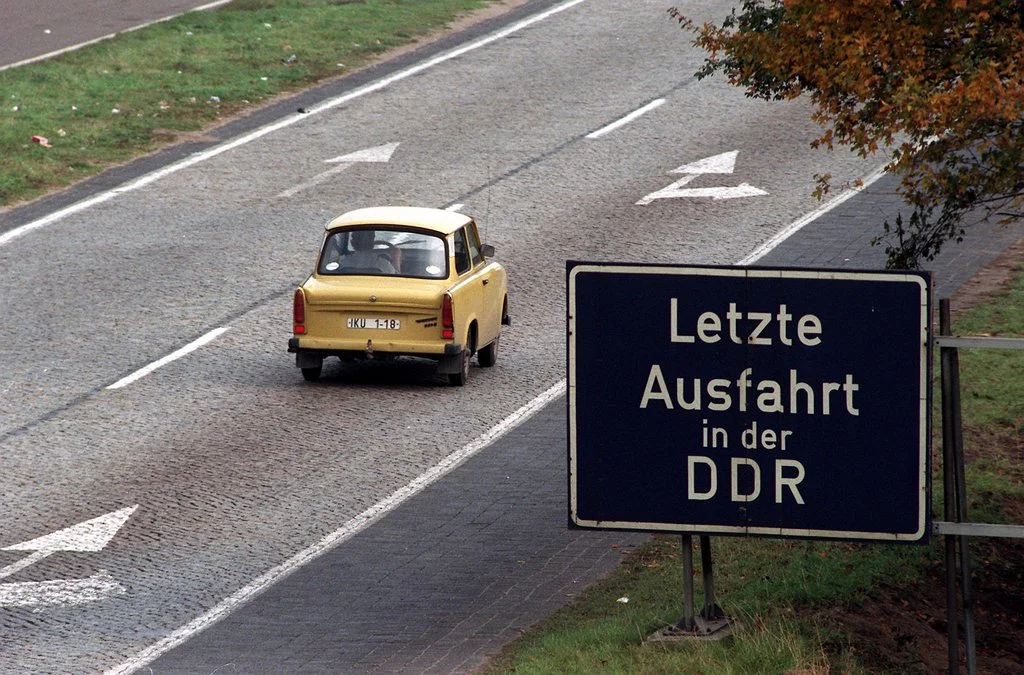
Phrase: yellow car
x=401 y=281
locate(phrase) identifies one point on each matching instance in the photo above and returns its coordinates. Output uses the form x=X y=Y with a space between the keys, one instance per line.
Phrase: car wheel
x=459 y=379
x=489 y=354
x=312 y=374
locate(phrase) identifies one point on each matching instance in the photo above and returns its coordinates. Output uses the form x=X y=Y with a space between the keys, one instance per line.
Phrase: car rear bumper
x=310 y=352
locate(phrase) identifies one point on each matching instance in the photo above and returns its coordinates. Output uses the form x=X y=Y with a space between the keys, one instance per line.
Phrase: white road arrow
x=88 y=536
x=380 y=153
x=71 y=592
x=722 y=163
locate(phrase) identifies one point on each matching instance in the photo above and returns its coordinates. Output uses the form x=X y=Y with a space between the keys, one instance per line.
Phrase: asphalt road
x=228 y=469
x=30 y=30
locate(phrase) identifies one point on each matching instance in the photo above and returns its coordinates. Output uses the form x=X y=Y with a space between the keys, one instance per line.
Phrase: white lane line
x=798 y=224
x=349 y=529
x=283 y=123
x=627 y=119
x=72 y=48
x=173 y=356
x=11 y=235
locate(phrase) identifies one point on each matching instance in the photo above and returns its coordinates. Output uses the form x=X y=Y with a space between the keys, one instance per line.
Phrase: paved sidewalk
x=842 y=238
x=445 y=581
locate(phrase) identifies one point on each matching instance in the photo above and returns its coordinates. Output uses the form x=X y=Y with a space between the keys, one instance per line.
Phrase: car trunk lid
x=373 y=308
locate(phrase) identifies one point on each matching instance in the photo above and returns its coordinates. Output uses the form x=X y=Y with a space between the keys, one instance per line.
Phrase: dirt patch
x=171 y=136
x=904 y=629
x=993 y=279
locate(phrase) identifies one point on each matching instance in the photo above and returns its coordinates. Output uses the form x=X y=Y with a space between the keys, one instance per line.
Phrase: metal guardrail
x=978 y=529
x=970 y=342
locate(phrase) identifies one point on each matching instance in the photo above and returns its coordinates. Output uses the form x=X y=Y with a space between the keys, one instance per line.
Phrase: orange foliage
x=940 y=85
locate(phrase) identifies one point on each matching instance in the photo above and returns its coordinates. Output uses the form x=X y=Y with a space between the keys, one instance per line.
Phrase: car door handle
x=486 y=281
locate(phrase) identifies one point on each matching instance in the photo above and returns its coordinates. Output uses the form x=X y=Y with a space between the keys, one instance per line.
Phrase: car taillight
x=299 y=312
x=447 y=318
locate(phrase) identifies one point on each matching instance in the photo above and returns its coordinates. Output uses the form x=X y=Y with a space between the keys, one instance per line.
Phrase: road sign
x=757 y=401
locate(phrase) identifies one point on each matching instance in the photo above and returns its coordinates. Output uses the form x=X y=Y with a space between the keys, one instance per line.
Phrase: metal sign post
x=711 y=622
x=955 y=499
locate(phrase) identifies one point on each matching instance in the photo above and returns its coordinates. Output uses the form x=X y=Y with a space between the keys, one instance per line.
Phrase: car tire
x=459 y=379
x=312 y=374
x=488 y=355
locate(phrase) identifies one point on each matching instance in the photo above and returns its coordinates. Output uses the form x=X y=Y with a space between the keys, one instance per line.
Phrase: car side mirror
x=487 y=250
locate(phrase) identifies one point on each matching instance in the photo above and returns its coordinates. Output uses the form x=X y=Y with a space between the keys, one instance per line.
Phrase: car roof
x=438 y=220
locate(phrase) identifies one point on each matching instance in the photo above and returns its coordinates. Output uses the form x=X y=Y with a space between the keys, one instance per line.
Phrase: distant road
x=33 y=30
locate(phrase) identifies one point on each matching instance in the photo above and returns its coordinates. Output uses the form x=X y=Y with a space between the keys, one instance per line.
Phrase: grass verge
x=819 y=607
x=121 y=98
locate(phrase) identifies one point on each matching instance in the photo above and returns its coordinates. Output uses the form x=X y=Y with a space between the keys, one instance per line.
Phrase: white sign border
x=761 y=273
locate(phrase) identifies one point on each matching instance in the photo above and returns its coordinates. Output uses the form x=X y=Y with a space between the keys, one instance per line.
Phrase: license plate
x=374 y=323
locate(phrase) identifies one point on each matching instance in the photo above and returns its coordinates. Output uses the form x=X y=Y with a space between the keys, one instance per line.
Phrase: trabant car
x=401 y=281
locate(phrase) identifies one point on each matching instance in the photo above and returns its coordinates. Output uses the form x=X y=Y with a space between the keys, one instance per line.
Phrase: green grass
x=121 y=98
x=991 y=399
x=766 y=584
x=774 y=587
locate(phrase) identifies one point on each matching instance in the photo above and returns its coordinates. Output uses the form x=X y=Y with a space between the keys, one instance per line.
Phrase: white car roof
x=438 y=220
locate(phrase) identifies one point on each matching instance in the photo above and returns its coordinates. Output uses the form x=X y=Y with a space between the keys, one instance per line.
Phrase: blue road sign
x=749 y=401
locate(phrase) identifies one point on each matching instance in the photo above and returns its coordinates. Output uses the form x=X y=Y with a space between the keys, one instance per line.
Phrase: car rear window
x=384 y=251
